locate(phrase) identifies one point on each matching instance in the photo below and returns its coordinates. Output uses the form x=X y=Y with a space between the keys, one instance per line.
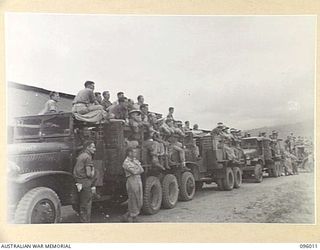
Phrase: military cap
x=220 y=124
x=134 y=111
x=233 y=130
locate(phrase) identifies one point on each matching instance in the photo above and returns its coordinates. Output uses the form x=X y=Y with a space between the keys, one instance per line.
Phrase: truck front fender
x=61 y=182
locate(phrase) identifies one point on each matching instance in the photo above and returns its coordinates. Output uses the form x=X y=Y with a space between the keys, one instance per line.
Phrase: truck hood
x=36 y=148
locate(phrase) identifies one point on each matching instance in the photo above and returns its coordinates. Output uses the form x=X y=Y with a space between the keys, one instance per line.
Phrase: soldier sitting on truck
x=227 y=143
x=120 y=110
x=175 y=145
x=135 y=124
x=85 y=106
x=153 y=148
x=51 y=105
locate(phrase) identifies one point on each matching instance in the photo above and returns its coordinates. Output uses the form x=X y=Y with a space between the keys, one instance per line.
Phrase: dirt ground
x=287 y=199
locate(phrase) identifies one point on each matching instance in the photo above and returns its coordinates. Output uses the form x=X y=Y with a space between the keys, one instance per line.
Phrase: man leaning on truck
x=84 y=175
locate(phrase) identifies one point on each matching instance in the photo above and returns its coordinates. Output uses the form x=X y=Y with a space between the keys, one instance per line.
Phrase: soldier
x=120 y=95
x=175 y=145
x=84 y=174
x=153 y=149
x=170 y=114
x=133 y=171
x=187 y=126
x=98 y=97
x=144 y=113
x=120 y=110
x=51 y=105
x=140 y=100
x=135 y=124
x=106 y=100
x=218 y=129
x=85 y=106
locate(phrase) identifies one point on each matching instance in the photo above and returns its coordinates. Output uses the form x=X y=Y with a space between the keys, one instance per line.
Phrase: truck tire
x=187 y=187
x=258 y=175
x=152 y=195
x=170 y=191
x=228 y=181
x=237 y=177
x=37 y=206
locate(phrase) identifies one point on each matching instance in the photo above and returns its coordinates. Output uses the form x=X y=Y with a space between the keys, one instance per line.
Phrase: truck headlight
x=13 y=168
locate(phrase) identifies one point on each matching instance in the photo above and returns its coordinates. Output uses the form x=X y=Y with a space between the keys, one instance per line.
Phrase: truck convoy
x=45 y=147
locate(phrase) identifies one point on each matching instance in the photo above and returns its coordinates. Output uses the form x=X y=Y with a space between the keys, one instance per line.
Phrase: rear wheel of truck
x=187 y=187
x=170 y=191
x=228 y=181
x=258 y=175
x=37 y=206
x=237 y=177
x=152 y=195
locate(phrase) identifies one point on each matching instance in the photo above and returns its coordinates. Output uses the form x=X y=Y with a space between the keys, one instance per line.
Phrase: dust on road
x=276 y=200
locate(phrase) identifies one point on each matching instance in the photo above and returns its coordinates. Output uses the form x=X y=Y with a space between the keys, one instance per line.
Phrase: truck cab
x=260 y=157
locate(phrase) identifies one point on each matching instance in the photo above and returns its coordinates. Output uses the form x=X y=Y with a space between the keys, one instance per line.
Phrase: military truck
x=44 y=151
x=260 y=158
x=213 y=163
x=43 y=154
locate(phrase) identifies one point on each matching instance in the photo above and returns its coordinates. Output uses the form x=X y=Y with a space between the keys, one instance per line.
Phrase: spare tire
x=228 y=181
x=237 y=177
x=37 y=206
x=152 y=195
x=170 y=191
x=187 y=187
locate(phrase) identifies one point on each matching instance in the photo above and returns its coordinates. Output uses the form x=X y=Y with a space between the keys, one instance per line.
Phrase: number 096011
x=308 y=246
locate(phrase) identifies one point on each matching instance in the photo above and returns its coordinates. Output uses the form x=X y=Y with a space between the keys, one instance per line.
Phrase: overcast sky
x=246 y=71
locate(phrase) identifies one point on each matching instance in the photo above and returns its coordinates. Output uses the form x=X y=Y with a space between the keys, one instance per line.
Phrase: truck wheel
x=237 y=177
x=199 y=185
x=39 y=205
x=187 y=187
x=228 y=181
x=258 y=175
x=152 y=195
x=170 y=191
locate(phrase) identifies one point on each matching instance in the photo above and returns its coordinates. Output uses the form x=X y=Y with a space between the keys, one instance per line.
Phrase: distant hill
x=304 y=128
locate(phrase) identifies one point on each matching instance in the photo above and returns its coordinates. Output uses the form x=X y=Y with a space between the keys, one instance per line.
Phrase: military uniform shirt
x=85 y=96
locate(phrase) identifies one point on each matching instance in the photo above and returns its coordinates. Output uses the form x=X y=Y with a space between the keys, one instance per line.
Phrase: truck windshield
x=41 y=126
x=246 y=144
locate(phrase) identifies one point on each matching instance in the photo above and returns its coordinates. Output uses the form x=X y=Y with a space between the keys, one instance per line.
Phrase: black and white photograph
x=160 y=118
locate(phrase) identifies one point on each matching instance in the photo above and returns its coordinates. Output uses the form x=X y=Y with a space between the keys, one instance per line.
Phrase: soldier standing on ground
x=133 y=170
x=84 y=175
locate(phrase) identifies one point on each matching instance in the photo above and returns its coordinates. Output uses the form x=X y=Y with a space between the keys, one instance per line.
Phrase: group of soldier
x=163 y=137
